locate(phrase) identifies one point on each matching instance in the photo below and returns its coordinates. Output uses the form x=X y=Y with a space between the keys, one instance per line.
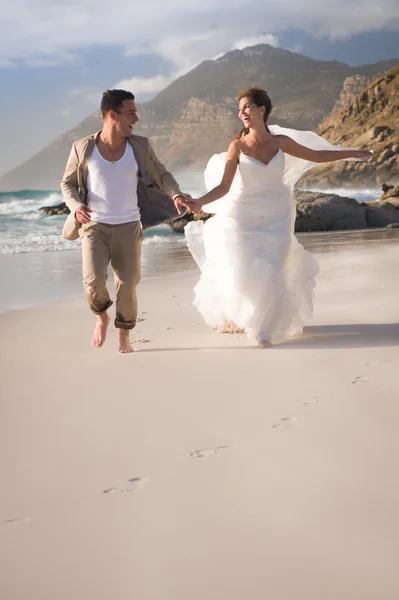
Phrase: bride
x=255 y=276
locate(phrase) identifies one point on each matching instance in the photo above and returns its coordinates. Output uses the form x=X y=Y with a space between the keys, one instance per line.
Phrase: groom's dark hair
x=113 y=100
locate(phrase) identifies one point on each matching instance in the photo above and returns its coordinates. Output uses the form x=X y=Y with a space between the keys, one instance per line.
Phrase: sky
x=57 y=57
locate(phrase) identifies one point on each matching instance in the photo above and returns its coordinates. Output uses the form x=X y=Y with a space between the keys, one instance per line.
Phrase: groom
x=115 y=186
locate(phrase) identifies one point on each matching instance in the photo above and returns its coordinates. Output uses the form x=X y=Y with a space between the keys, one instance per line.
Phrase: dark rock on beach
x=178 y=225
x=316 y=211
x=381 y=214
x=328 y=212
x=59 y=209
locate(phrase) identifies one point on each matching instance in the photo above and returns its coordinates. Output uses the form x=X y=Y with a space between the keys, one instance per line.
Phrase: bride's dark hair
x=259 y=97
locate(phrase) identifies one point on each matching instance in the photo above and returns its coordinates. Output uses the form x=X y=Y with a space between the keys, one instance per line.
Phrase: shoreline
x=36 y=278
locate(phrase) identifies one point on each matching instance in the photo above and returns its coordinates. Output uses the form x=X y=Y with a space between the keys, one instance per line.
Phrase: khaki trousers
x=119 y=245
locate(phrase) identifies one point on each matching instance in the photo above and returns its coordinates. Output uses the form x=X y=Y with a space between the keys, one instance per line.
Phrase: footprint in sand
x=14 y=521
x=360 y=380
x=133 y=484
x=376 y=364
x=286 y=422
x=208 y=452
x=141 y=341
x=311 y=401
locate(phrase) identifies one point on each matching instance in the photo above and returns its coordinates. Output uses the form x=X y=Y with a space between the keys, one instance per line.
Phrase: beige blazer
x=155 y=191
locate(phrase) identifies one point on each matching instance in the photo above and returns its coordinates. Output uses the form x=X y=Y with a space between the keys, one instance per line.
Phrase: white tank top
x=112 y=188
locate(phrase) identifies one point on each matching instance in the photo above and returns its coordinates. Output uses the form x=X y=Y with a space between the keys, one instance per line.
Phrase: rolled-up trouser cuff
x=102 y=310
x=124 y=324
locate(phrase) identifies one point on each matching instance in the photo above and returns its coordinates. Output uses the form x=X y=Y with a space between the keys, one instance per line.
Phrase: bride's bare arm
x=289 y=146
x=228 y=175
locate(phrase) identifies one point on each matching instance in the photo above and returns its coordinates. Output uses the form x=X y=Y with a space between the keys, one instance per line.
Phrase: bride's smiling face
x=250 y=114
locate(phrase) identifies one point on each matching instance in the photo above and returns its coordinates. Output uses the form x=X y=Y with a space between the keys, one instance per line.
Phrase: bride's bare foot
x=228 y=327
x=124 y=344
x=264 y=344
x=100 y=330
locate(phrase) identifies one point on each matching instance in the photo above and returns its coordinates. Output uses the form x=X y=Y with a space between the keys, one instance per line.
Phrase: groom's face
x=126 y=118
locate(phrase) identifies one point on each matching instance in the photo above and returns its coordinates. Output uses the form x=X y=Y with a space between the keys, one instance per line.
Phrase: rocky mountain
x=197 y=114
x=370 y=121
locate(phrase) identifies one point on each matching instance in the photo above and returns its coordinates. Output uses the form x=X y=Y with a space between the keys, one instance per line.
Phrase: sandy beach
x=201 y=467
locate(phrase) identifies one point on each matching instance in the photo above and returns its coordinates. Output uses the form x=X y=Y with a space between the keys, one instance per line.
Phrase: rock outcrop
x=370 y=121
x=390 y=195
x=353 y=85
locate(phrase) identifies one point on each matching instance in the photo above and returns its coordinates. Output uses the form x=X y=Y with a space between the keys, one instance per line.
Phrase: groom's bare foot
x=124 y=344
x=100 y=331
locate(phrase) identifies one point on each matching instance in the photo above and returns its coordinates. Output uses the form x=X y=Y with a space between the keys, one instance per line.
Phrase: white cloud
x=296 y=49
x=270 y=39
x=143 y=87
x=88 y=94
x=182 y=52
x=254 y=40
x=37 y=34
x=37 y=30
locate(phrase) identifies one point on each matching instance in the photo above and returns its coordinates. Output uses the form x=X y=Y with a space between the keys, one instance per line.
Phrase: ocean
x=24 y=229
x=38 y=266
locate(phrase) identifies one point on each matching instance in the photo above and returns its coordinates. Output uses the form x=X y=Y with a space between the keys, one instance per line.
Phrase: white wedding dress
x=255 y=275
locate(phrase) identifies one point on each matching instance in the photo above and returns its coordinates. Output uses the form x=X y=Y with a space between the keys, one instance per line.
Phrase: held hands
x=187 y=202
x=181 y=203
x=195 y=205
x=83 y=215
